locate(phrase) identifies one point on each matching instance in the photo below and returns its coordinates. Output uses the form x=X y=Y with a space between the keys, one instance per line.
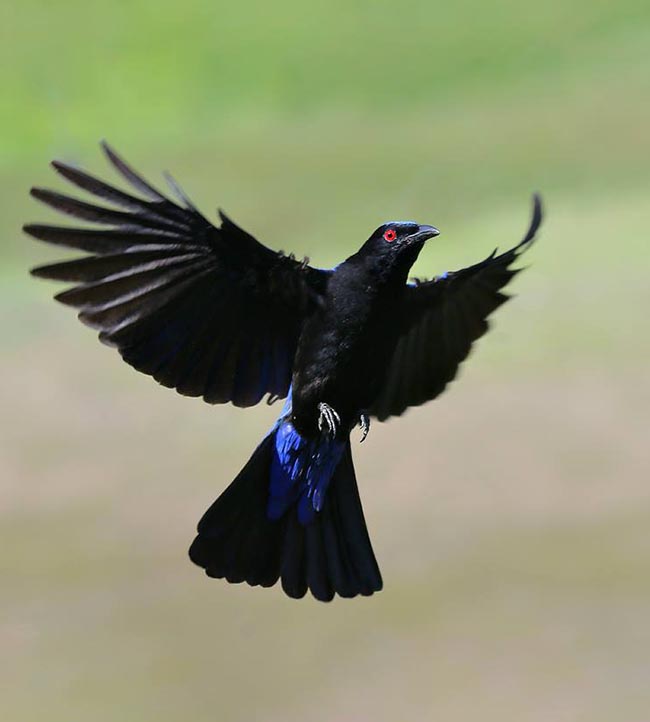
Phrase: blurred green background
x=511 y=518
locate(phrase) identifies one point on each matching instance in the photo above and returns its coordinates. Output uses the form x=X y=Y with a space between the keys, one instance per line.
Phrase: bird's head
x=398 y=242
x=394 y=237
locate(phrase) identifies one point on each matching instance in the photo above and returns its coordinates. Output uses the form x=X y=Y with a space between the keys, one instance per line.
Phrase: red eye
x=390 y=235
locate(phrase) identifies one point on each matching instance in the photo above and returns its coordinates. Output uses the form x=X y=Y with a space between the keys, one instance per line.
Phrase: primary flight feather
x=212 y=312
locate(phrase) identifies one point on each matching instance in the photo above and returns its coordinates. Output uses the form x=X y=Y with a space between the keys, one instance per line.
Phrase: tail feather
x=330 y=555
x=294 y=578
x=318 y=577
x=352 y=531
x=338 y=564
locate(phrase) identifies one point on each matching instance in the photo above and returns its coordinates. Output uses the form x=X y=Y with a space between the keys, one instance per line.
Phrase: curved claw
x=364 y=423
x=328 y=420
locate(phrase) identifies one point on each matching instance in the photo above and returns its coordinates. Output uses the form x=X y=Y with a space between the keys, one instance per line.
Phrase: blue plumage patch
x=301 y=469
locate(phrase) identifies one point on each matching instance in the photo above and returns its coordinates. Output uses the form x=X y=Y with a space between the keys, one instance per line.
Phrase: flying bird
x=210 y=311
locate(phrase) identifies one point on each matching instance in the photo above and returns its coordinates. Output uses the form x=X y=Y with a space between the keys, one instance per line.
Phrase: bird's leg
x=328 y=419
x=364 y=423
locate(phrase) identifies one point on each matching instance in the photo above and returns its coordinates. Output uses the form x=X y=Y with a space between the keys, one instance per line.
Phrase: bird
x=212 y=312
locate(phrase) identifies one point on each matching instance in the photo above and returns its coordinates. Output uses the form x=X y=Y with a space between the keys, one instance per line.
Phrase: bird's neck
x=389 y=273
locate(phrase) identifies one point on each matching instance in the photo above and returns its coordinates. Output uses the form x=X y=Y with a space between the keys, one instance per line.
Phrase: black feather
x=163 y=282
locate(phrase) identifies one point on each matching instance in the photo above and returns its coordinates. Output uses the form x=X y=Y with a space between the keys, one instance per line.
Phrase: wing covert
x=206 y=310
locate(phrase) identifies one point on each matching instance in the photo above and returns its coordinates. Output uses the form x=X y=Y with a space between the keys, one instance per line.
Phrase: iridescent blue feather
x=301 y=469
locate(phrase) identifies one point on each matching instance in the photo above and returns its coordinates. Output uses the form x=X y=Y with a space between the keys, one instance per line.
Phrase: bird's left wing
x=206 y=310
x=439 y=321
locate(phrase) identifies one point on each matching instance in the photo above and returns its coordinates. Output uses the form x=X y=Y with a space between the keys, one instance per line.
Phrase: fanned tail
x=329 y=553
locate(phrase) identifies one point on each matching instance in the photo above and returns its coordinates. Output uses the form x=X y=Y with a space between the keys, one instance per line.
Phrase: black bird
x=211 y=312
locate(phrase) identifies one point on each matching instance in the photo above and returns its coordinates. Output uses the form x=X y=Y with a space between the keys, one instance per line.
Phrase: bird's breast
x=342 y=354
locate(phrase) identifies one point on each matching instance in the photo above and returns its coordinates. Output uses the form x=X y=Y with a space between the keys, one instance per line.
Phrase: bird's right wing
x=206 y=310
x=439 y=321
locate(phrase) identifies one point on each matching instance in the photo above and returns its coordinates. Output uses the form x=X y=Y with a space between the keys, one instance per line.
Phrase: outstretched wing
x=440 y=321
x=208 y=311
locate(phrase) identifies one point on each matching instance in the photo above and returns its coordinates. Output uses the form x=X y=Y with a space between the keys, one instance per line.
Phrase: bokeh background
x=511 y=518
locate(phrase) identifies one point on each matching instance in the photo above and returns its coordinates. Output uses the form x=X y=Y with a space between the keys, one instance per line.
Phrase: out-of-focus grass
x=509 y=517
x=162 y=71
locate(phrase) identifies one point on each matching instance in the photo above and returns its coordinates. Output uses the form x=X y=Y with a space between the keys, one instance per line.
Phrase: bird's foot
x=364 y=423
x=328 y=420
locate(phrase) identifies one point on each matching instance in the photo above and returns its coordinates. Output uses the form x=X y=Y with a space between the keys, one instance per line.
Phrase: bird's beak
x=424 y=233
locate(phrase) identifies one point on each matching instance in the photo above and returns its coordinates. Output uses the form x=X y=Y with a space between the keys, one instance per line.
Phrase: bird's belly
x=342 y=371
